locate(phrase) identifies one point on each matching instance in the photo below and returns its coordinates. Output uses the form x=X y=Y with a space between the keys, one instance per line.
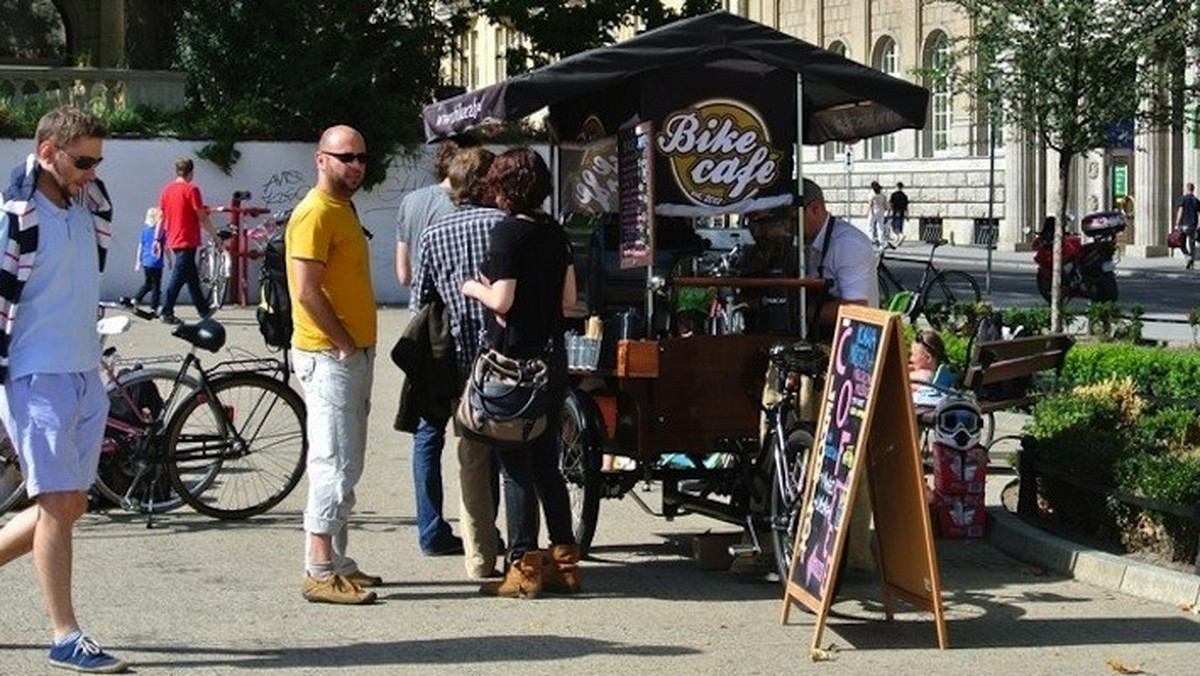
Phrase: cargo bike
x=691 y=124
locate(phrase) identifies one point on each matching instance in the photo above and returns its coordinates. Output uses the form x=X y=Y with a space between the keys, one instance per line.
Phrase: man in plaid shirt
x=452 y=251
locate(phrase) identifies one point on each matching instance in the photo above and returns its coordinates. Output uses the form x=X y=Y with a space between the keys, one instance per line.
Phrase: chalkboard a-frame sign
x=866 y=425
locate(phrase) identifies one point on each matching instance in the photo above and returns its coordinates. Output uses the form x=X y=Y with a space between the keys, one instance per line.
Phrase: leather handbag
x=504 y=401
x=1175 y=238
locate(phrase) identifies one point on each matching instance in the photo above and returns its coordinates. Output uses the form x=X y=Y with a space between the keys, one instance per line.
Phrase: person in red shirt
x=183 y=214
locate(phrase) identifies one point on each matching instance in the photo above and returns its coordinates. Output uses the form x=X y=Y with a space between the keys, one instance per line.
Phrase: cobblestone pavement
x=197 y=596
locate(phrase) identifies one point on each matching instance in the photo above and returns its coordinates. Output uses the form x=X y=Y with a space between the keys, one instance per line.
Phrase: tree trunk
x=1064 y=181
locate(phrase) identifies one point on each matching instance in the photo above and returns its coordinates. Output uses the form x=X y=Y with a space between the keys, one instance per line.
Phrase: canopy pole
x=798 y=163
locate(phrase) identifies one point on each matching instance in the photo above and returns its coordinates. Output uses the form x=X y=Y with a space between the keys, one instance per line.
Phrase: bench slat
x=997 y=361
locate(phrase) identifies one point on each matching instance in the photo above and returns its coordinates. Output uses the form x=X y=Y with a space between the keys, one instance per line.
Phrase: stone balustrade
x=95 y=88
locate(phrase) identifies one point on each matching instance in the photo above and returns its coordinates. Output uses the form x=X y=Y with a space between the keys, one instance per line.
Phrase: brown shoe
x=364 y=579
x=523 y=579
x=560 y=572
x=335 y=589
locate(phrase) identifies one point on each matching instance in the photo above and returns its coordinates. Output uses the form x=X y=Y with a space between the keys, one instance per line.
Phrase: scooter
x=1087 y=269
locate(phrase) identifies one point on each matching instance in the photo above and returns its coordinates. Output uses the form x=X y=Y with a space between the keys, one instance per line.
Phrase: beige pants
x=477 y=514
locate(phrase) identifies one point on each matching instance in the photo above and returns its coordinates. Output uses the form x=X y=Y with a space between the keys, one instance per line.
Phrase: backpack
x=274 y=311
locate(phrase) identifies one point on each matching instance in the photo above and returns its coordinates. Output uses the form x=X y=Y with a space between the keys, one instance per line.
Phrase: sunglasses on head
x=347 y=158
x=933 y=351
x=82 y=162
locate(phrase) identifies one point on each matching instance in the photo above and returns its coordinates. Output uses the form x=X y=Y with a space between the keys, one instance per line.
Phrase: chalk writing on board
x=855 y=353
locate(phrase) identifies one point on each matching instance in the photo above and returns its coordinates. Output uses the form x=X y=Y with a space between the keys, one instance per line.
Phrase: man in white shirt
x=840 y=253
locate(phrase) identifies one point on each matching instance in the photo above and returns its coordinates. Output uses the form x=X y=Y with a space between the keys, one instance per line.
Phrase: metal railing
x=95 y=88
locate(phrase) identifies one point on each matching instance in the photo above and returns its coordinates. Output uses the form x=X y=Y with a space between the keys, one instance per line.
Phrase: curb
x=1028 y=544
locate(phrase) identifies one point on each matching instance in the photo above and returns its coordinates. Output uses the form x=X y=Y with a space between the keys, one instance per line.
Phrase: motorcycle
x=1087 y=268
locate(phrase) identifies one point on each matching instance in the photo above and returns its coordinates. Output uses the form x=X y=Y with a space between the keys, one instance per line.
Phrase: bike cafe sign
x=594 y=185
x=719 y=151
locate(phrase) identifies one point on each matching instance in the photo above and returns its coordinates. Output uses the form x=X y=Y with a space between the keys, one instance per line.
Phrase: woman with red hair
x=527 y=282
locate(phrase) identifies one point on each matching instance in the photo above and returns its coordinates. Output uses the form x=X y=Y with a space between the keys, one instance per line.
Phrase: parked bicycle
x=935 y=296
x=216 y=263
x=227 y=440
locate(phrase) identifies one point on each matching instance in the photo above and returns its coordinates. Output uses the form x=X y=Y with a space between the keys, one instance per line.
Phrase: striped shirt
x=453 y=249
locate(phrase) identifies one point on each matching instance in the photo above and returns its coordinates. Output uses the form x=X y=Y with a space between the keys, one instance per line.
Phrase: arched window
x=885 y=59
x=835 y=150
x=937 y=60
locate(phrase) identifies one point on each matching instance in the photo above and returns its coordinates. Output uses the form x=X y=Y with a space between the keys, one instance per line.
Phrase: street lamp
x=992 y=227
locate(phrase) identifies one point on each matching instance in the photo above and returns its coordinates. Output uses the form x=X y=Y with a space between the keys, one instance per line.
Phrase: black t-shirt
x=535 y=253
x=1189 y=206
x=899 y=203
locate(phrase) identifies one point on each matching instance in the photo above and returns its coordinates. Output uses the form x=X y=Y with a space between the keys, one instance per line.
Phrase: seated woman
x=925 y=355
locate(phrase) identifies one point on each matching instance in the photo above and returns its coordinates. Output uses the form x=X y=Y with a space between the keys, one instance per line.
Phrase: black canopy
x=842 y=100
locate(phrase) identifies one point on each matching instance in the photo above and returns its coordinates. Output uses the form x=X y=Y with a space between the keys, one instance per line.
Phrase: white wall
x=276 y=174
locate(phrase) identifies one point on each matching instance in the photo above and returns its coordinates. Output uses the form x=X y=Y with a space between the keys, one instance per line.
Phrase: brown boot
x=523 y=579
x=560 y=572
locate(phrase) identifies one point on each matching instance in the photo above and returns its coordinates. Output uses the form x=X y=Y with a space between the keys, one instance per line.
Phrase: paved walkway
x=196 y=596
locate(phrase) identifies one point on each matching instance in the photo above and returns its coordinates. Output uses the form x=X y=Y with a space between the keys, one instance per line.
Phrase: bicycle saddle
x=206 y=334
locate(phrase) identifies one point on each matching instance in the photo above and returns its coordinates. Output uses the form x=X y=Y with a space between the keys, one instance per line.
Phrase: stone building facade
x=952 y=171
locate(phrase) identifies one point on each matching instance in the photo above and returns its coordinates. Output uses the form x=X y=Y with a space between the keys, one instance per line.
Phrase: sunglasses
x=82 y=162
x=347 y=158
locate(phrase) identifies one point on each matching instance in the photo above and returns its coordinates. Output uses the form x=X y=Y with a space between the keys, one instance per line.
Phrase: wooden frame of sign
x=866 y=421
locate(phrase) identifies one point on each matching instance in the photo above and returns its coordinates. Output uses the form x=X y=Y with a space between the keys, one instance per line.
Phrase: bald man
x=333 y=353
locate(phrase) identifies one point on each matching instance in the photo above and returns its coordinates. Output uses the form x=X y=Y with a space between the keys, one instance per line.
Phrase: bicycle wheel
x=12 y=484
x=788 y=484
x=248 y=428
x=214 y=277
x=132 y=473
x=942 y=295
x=579 y=463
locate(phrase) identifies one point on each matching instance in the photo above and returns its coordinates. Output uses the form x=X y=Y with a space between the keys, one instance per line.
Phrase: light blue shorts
x=56 y=422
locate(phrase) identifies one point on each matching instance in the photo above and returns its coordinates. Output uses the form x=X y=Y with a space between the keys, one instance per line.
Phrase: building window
x=835 y=150
x=937 y=60
x=501 y=55
x=887 y=60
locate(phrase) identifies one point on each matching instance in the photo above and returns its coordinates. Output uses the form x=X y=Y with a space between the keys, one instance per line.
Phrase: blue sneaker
x=85 y=656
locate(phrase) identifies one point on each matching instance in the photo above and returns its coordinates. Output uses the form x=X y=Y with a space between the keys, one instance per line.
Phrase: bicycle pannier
x=274 y=312
x=504 y=401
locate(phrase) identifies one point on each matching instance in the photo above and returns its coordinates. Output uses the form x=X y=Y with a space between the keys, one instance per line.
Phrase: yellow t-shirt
x=326 y=229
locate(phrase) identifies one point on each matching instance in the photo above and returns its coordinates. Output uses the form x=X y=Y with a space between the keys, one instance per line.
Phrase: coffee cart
x=697 y=122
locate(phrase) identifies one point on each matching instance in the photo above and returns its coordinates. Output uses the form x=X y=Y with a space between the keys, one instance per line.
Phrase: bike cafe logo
x=594 y=183
x=720 y=152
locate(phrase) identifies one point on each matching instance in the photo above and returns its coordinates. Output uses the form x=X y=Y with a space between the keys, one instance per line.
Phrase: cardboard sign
x=866 y=425
x=635 y=175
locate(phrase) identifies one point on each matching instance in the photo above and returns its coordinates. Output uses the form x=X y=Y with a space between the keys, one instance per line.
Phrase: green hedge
x=1158 y=373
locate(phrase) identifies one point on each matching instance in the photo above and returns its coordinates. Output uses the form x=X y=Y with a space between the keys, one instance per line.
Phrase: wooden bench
x=1003 y=360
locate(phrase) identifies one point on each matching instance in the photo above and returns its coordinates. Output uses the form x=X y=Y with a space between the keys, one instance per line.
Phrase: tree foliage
x=1067 y=71
x=556 y=29
x=32 y=30
x=290 y=68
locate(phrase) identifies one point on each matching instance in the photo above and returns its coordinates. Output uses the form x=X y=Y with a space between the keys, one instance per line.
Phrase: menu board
x=848 y=390
x=866 y=426
x=635 y=179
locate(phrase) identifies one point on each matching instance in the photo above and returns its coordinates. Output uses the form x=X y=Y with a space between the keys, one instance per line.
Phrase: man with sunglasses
x=333 y=355
x=51 y=399
x=183 y=214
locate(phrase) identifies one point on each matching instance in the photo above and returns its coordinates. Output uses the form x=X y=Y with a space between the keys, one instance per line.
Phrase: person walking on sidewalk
x=876 y=209
x=453 y=249
x=184 y=213
x=418 y=210
x=1186 y=217
x=149 y=259
x=526 y=283
x=898 y=209
x=52 y=401
x=333 y=354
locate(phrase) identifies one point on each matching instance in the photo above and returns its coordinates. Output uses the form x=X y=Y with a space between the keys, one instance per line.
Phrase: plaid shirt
x=452 y=250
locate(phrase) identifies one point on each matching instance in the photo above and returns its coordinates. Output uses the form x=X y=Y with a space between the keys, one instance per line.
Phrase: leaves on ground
x=824 y=654
x=1120 y=667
